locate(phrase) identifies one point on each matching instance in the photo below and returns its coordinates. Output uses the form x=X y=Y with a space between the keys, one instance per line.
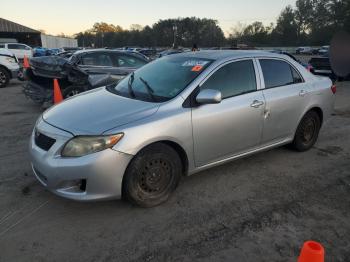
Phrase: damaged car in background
x=84 y=70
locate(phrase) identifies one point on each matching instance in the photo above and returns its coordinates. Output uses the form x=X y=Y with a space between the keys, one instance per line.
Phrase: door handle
x=302 y=93
x=257 y=104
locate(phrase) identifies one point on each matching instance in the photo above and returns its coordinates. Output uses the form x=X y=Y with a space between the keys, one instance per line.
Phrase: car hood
x=96 y=111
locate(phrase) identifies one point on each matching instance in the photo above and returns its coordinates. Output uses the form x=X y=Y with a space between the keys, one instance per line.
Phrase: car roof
x=99 y=50
x=229 y=54
x=108 y=51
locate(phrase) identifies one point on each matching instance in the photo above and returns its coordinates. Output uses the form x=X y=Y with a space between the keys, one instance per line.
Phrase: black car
x=84 y=70
x=103 y=61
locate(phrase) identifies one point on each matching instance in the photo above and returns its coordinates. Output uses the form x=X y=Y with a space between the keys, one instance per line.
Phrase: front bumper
x=15 y=73
x=37 y=93
x=96 y=176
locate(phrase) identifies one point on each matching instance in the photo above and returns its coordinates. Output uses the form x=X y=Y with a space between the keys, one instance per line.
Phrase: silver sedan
x=176 y=116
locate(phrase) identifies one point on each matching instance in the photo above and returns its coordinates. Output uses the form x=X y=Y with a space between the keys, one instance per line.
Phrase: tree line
x=310 y=22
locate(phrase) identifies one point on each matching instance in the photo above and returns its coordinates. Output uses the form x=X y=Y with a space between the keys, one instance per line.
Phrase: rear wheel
x=4 y=77
x=152 y=175
x=307 y=132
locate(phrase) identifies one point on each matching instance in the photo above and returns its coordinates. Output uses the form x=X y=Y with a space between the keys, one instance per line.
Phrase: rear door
x=235 y=125
x=286 y=95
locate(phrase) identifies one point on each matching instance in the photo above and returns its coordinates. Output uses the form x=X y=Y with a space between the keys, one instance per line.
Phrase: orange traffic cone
x=57 y=95
x=311 y=252
x=25 y=62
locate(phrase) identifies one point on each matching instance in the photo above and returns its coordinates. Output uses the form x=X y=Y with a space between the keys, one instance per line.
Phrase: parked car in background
x=72 y=49
x=65 y=54
x=82 y=71
x=9 y=67
x=176 y=116
x=324 y=50
x=170 y=52
x=102 y=61
x=306 y=50
x=41 y=51
x=149 y=52
x=20 y=50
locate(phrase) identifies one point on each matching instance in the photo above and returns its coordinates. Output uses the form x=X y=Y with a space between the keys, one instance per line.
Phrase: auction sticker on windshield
x=193 y=63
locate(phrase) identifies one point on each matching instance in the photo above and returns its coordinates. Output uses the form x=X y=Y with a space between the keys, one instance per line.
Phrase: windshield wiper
x=149 y=89
x=131 y=80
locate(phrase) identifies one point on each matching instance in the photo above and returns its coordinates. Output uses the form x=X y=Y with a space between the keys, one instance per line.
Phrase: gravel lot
x=261 y=208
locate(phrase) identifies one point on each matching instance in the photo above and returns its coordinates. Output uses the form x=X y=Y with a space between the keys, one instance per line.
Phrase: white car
x=324 y=50
x=9 y=67
x=20 y=50
x=306 y=50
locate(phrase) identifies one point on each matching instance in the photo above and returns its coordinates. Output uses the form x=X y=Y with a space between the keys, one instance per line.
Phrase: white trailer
x=49 y=41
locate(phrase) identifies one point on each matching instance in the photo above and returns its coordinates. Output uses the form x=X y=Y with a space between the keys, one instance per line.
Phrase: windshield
x=162 y=79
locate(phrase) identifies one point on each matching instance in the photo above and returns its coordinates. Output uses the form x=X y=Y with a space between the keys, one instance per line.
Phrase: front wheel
x=4 y=77
x=307 y=132
x=152 y=175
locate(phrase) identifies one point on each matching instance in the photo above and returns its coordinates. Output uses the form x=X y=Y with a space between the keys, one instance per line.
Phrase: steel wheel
x=152 y=175
x=155 y=176
x=307 y=132
x=4 y=77
x=309 y=129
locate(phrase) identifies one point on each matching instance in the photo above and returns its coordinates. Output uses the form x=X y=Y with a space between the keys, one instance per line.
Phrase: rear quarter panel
x=321 y=96
x=319 y=92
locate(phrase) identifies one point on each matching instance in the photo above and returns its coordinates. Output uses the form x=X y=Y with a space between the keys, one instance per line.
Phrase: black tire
x=307 y=132
x=152 y=175
x=72 y=91
x=4 y=77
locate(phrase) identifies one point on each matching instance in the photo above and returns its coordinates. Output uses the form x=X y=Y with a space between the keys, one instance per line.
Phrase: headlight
x=11 y=60
x=84 y=145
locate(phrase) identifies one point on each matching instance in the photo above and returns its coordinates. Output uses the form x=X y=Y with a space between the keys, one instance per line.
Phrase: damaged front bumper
x=37 y=93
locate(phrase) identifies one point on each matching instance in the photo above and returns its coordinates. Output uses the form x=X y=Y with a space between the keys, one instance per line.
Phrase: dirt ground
x=261 y=208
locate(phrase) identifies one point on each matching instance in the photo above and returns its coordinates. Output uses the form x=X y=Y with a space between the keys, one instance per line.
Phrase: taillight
x=334 y=89
x=309 y=68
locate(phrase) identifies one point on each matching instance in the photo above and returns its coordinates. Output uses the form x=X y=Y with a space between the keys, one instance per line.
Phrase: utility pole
x=175 y=33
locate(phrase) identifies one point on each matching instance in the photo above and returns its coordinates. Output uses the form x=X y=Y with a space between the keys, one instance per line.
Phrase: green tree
x=286 y=28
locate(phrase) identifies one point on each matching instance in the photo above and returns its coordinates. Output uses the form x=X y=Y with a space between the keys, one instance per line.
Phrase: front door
x=235 y=125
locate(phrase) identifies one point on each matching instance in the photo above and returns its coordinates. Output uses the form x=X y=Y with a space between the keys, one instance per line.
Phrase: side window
x=13 y=46
x=233 y=79
x=296 y=76
x=2 y=46
x=129 y=61
x=276 y=73
x=96 y=59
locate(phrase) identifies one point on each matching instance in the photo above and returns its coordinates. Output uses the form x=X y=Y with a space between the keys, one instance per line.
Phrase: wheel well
x=319 y=112
x=181 y=152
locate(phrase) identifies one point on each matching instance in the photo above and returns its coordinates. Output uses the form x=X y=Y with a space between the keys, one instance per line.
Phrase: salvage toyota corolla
x=176 y=116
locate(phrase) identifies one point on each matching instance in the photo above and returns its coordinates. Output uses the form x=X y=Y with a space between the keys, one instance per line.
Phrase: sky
x=73 y=16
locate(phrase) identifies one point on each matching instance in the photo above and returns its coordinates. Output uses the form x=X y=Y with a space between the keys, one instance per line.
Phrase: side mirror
x=209 y=96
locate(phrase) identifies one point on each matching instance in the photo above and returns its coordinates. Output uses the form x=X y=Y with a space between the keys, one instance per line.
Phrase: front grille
x=44 y=142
